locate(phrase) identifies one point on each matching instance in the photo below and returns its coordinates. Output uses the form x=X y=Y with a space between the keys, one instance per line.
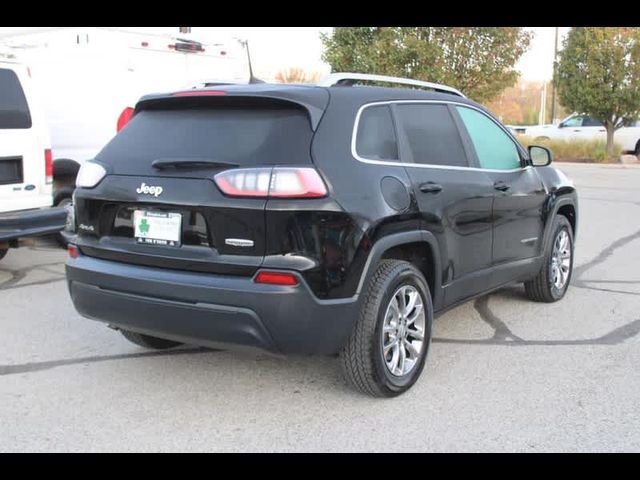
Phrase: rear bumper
x=31 y=223
x=209 y=310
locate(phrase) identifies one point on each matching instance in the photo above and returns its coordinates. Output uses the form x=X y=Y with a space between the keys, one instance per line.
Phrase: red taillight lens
x=48 y=165
x=124 y=118
x=73 y=251
x=276 y=278
x=277 y=182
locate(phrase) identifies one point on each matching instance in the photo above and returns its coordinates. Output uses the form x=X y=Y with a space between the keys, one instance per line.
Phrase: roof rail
x=334 y=79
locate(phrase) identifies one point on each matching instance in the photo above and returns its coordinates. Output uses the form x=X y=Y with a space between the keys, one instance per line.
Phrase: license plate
x=157 y=228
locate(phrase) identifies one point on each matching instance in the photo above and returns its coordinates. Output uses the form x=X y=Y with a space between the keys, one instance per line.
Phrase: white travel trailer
x=87 y=77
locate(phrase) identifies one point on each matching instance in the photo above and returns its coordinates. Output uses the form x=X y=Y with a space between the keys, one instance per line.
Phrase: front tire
x=387 y=349
x=551 y=283
x=147 y=341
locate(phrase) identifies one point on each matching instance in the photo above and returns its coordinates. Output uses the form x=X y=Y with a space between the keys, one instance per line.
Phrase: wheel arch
x=418 y=247
x=567 y=208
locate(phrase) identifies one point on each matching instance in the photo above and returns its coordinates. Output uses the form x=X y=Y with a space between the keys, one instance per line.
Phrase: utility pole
x=543 y=104
x=553 y=97
x=245 y=44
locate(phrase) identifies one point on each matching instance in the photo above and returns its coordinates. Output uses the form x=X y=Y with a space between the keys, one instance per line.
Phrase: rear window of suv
x=376 y=136
x=14 y=111
x=246 y=135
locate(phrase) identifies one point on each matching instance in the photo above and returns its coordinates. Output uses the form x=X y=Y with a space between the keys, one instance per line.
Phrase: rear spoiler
x=313 y=100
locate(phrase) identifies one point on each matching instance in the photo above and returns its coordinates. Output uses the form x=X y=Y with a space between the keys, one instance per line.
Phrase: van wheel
x=147 y=341
x=3 y=252
x=390 y=340
x=552 y=281
x=62 y=237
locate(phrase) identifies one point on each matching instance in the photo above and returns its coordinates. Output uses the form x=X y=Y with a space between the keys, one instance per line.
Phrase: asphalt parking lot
x=504 y=374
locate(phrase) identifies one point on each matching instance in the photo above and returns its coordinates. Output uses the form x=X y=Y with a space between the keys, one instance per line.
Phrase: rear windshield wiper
x=162 y=164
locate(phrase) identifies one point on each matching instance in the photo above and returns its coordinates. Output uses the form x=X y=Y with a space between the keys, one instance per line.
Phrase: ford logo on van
x=149 y=190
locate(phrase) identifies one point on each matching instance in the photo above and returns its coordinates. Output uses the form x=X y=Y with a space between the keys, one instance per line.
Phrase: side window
x=495 y=149
x=432 y=134
x=376 y=135
x=591 y=122
x=573 y=122
x=14 y=112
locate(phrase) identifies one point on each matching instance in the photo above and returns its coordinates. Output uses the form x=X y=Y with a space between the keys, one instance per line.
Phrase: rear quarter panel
x=355 y=188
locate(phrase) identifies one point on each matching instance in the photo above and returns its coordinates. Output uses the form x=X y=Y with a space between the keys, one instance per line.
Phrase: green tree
x=478 y=61
x=598 y=74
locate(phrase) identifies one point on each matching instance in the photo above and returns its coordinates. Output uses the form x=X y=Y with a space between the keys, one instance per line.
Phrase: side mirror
x=540 y=156
x=561 y=125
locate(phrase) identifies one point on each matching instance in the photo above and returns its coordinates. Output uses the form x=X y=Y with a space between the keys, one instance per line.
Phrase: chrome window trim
x=354 y=133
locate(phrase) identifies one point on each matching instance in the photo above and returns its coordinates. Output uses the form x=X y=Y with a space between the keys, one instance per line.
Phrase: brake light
x=48 y=166
x=277 y=182
x=124 y=118
x=73 y=251
x=276 y=278
x=199 y=93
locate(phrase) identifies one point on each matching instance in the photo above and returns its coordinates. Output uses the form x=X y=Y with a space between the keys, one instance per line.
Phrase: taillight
x=73 y=251
x=276 y=278
x=48 y=166
x=277 y=182
x=124 y=118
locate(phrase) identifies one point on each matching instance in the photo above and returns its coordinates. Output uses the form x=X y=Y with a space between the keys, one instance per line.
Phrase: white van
x=26 y=168
x=88 y=77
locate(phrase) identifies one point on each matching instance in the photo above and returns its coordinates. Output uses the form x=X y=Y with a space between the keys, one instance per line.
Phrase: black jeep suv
x=324 y=219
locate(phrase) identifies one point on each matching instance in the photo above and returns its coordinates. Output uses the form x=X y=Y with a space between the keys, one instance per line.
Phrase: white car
x=26 y=168
x=583 y=127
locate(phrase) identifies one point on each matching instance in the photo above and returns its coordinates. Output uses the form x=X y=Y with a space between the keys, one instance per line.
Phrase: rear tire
x=147 y=341
x=637 y=152
x=552 y=281
x=395 y=317
x=3 y=252
x=63 y=237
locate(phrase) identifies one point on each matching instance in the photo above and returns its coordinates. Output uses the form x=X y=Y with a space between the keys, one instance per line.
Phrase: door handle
x=500 y=185
x=430 y=187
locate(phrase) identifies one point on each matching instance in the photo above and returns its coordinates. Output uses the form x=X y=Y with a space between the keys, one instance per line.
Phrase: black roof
x=312 y=97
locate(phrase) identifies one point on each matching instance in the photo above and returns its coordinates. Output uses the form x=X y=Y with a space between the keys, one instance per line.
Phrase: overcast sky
x=274 y=48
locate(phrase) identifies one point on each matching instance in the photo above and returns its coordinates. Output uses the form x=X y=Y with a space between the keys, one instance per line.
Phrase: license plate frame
x=158 y=228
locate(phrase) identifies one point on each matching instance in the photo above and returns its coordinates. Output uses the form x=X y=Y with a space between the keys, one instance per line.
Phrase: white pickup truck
x=26 y=168
x=583 y=127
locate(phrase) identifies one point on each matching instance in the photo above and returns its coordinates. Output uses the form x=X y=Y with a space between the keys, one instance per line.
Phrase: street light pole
x=554 y=82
